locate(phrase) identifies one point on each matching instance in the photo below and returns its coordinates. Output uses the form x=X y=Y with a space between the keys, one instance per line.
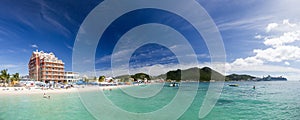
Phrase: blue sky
x=260 y=37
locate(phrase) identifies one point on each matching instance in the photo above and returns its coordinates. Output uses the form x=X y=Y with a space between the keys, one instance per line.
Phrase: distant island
x=193 y=74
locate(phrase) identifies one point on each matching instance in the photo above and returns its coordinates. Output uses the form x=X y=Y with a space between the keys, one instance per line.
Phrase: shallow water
x=270 y=100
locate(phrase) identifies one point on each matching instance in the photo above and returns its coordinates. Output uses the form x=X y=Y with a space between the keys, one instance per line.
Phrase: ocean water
x=270 y=100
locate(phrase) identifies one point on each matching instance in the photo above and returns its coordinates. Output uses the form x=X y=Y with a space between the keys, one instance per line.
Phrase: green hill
x=140 y=76
x=236 y=77
x=203 y=74
x=135 y=77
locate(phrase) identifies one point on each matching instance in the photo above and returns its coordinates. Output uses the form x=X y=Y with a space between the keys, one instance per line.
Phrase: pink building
x=45 y=67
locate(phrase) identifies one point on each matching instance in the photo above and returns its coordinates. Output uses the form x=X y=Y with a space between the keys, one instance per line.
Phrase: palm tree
x=101 y=79
x=4 y=76
x=15 y=77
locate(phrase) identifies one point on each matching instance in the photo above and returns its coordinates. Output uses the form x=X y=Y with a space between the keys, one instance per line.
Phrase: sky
x=260 y=37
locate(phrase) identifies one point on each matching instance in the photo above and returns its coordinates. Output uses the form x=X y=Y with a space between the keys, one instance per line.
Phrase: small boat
x=174 y=84
x=233 y=85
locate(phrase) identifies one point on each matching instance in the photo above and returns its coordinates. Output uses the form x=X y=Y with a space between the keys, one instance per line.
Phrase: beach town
x=47 y=75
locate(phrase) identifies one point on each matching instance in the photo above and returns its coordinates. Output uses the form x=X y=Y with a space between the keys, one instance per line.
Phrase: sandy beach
x=35 y=90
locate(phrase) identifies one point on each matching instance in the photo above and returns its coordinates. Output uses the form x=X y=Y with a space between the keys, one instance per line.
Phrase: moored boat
x=233 y=85
x=174 y=84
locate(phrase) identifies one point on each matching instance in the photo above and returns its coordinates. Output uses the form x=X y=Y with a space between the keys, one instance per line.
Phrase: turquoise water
x=270 y=100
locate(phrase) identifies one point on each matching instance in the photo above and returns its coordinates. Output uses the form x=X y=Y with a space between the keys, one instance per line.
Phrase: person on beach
x=44 y=96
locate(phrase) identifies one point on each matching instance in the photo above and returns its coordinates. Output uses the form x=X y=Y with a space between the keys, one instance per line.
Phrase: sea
x=270 y=100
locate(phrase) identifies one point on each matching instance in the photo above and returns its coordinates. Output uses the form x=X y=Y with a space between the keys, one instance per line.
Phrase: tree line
x=6 y=78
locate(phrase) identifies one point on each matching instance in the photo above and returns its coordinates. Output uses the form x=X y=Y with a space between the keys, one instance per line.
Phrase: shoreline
x=35 y=90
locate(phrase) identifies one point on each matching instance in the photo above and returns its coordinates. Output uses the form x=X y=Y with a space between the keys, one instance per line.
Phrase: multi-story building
x=71 y=77
x=45 y=67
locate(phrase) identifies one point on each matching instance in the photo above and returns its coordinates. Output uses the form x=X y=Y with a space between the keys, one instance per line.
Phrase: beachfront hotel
x=45 y=67
x=71 y=77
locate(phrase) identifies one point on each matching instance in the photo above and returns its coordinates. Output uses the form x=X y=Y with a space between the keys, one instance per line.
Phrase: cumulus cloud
x=282 y=48
x=249 y=61
x=271 y=26
x=287 y=22
x=288 y=37
x=265 y=68
x=278 y=54
x=279 y=49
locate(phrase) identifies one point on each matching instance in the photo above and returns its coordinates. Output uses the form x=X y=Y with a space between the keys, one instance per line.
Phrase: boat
x=233 y=85
x=270 y=78
x=174 y=84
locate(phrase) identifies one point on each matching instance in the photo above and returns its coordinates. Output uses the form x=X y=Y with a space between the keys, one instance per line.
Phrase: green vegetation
x=15 y=77
x=162 y=76
x=124 y=78
x=101 y=79
x=140 y=76
x=236 y=77
x=5 y=77
x=203 y=74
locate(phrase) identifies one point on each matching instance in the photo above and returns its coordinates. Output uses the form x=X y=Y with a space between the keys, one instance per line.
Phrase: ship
x=270 y=78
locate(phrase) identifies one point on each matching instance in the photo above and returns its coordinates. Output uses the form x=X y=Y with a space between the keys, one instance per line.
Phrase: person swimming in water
x=253 y=86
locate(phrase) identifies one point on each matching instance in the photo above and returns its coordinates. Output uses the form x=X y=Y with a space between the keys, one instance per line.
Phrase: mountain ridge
x=201 y=74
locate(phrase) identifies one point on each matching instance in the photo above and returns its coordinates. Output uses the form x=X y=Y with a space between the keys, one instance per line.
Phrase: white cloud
x=34 y=46
x=68 y=46
x=105 y=58
x=20 y=68
x=286 y=63
x=287 y=22
x=245 y=23
x=271 y=26
x=46 y=15
x=7 y=66
x=288 y=37
x=265 y=68
x=278 y=54
x=249 y=61
x=258 y=37
x=282 y=27
x=281 y=49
